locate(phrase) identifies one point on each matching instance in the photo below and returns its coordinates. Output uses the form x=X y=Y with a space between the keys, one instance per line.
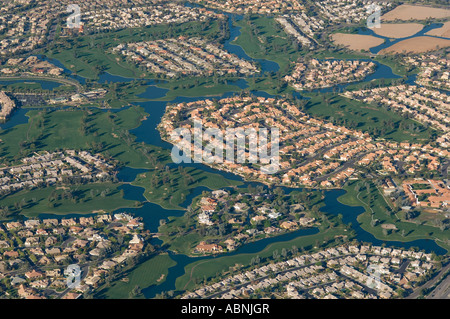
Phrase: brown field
x=356 y=42
x=408 y=12
x=398 y=30
x=417 y=45
x=444 y=31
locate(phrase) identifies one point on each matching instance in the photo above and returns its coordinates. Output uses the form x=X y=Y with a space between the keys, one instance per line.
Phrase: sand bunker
x=408 y=12
x=417 y=45
x=398 y=30
x=444 y=31
x=356 y=42
x=389 y=226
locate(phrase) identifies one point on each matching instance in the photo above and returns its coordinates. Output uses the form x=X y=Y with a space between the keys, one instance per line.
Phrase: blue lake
x=69 y=73
x=18 y=117
x=153 y=92
x=46 y=85
x=128 y=174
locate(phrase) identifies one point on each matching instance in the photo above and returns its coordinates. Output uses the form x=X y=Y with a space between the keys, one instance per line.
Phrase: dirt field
x=398 y=30
x=356 y=42
x=444 y=31
x=416 y=45
x=408 y=12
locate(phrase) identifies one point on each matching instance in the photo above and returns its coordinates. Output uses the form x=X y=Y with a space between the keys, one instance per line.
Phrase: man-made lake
x=44 y=84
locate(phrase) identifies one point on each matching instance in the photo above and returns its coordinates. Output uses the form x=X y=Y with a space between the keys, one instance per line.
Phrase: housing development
x=192 y=56
x=434 y=71
x=7 y=106
x=317 y=74
x=36 y=253
x=51 y=168
x=224 y=149
x=312 y=153
x=425 y=105
x=340 y=272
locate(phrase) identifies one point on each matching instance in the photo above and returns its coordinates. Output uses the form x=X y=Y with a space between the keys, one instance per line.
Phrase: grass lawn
x=123 y=94
x=86 y=199
x=89 y=55
x=366 y=118
x=396 y=66
x=271 y=85
x=92 y=130
x=24 y=86
x=192 y=87
x=184 y=244
x=89 y=61
x=150 y=272
x=170 y=188
x=373 y=201
x=263 y=38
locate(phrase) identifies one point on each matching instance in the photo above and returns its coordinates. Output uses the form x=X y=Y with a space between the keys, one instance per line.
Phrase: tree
x=294 y=250
x=401 y=292
x=275 y=254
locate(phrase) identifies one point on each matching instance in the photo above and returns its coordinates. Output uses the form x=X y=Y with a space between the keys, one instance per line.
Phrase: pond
x=44 y=84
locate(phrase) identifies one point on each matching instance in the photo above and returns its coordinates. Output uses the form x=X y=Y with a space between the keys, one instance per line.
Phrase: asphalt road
x=433 y=281
x=442 y=291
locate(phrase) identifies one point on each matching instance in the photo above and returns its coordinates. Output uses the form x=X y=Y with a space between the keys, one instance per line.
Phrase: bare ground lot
x=409 y=12
x=356 y=42
x=398 y=30
x=444 y=31
x=417 y=45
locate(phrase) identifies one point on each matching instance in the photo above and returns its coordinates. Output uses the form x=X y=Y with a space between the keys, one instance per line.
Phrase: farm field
x=416 y=45
x=398 y=30
x=356 y=42
x=414 y=12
